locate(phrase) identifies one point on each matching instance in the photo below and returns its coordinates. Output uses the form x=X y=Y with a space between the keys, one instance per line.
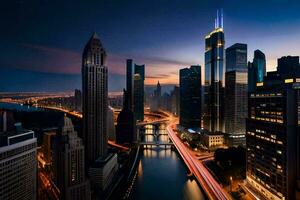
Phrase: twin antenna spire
x=219 y=19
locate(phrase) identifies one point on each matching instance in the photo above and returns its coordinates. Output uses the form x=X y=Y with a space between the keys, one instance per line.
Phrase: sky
x=41 y=41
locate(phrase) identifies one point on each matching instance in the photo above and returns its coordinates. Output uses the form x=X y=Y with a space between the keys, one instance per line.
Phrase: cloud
x=47 y=59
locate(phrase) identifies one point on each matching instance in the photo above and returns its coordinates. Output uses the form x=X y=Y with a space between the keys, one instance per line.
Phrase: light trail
x=206 y=180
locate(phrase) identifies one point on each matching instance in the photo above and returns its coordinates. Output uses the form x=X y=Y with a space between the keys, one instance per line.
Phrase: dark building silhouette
x=102 y=165
x=190 y=97
x=256 y=70
x=69 y=167
x=175 y=100
x=156 y=98
x=7 y=121
x=236 y=97
x=214 y=79
x=126 y=126
x=236 y=57
x=94 y=91
x=135 y=76
x=236 y=94
x=288 y=65
x=273 y=141
x=166 y=102
x=78 y=102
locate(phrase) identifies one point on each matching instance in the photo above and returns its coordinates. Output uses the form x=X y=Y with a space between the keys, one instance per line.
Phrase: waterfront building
x=236 y=58
x=95 y=110
x=47 y=146
x=272 y=136
x=190 y=97
x=256 y=70
x=111 y=124
x=94 y=91
x=212 y=140
x=18 y=164
x=126 y=124
x=69 y=165
x=102 y=173
x=236 y=96
x=214 y=79
x=135 y=76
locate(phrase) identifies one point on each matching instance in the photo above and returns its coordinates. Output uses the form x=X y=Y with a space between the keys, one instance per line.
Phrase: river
x=161 y=174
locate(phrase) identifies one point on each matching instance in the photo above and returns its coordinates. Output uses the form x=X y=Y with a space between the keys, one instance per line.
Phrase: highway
x=206 y=180
x=212 y=188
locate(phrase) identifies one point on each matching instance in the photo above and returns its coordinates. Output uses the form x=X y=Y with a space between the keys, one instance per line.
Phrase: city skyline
x=210 y=106
x=48 y=55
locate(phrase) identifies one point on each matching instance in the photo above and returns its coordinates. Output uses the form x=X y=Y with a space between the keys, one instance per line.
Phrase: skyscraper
x=69 y=163
x=102 y=165
x=135 y=76
x=18 y=165
x=273 y=142
x=256 y=70
x=78 y=101
x=190 y=97
x=214 y=82
x=236 y=94
x=236 y=97
x=94 y=91
x=236 y=57
x=126 y=129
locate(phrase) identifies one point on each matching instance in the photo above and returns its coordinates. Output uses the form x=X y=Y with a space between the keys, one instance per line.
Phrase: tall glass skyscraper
x=256 y=70
x=236 y=57
x=214 y=83
x=236 y=89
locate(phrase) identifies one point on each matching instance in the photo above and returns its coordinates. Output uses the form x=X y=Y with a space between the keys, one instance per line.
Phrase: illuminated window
x=260 y=84
x=290 y=80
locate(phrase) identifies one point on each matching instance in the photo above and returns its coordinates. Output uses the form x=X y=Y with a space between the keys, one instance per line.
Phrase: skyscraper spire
x=219 y=19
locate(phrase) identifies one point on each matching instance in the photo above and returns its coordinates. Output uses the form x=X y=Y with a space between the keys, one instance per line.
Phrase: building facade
x=95 y=94
x=18 y=165
x=236 y=57
x=256 y=70
x=135 y=77
x=190 y=97
x=126 y=124
x=111 y=129
x=214 y=82
x=69 y=164
x=78 y=102
x=175 y=101
x=272 y=137
x=236 y=96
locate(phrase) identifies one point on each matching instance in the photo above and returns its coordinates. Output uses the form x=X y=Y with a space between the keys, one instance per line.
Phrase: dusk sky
x=42 y=41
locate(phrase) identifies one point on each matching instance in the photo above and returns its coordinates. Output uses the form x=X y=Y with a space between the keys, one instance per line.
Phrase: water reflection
x=162 y=174
x=191 y=190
